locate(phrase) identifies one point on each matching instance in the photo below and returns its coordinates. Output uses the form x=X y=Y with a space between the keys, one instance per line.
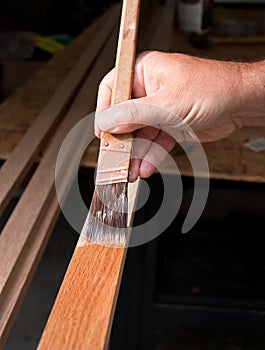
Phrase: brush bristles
x=107 y=218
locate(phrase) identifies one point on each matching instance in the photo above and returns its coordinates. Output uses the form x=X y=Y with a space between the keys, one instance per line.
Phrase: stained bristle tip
x=107 y=218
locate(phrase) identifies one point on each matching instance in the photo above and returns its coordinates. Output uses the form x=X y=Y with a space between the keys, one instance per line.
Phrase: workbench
x=229 y=159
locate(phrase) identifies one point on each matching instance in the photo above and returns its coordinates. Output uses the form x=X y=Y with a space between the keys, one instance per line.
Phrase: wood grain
x=15 y=168
x=21 y=244
x=22 y=275
x=81 y=314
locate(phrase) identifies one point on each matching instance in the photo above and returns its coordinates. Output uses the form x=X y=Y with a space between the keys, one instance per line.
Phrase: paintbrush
x=107 y=218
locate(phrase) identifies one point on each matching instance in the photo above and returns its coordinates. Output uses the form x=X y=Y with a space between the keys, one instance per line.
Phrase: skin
x=213 y=98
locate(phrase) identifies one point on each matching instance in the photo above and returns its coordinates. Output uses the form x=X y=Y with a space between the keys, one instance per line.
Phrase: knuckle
x=102 y=84
x=132 y=114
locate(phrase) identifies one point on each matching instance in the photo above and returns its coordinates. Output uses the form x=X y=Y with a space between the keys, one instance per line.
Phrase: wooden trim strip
x=84 y=308
x=15 y=168
x=24 y=272
x=83 y=312
x=21 y=244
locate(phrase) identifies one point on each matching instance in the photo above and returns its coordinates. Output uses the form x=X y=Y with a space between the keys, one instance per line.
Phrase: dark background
x=50 y=16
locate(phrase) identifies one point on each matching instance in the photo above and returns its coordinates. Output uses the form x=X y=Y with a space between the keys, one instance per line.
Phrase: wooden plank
x=228 y=159
x=15 y=168
x=21 y=245
x=83 y=312
x=23 y=274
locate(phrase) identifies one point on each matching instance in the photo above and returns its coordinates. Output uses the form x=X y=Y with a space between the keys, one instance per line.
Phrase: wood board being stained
x=83 y=311
x=89 y=297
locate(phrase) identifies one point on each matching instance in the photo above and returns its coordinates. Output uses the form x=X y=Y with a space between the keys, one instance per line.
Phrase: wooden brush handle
x=125 y=58
x=115 y=150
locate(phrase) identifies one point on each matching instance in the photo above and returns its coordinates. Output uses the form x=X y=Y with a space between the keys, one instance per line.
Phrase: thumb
x=131 y=115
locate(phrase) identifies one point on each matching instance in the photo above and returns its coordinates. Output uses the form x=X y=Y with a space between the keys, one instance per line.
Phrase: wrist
x=252 y=96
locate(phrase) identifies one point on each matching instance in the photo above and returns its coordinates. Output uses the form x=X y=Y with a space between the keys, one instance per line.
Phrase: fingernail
x=134 y=169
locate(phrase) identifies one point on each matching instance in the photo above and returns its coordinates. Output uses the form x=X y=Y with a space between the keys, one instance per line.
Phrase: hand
x=212 y=97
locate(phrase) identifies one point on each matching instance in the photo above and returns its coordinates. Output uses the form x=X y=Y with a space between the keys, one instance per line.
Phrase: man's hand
x=171 y=91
